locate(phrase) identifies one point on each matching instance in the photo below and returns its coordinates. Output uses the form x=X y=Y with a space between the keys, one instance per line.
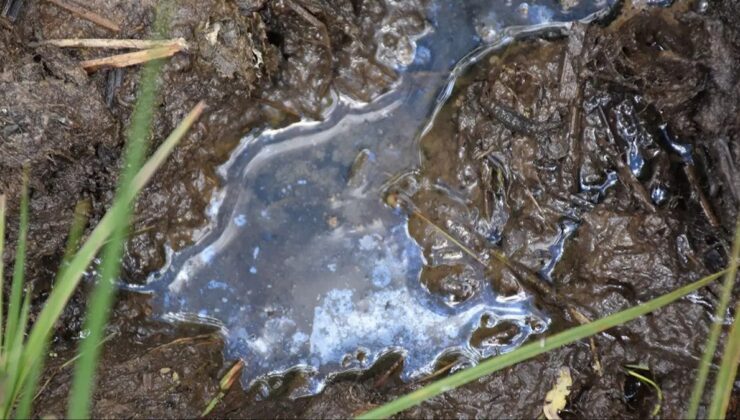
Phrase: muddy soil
x=612 y=152
x=257 y=64
x=624 y=135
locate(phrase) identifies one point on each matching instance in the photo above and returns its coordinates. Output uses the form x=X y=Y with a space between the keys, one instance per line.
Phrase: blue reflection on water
x=302 y=267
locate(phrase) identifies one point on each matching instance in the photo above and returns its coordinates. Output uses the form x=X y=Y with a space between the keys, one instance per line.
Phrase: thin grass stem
x=70 y=278
x=101 y=299
x=82 y=208
x=716 y=328
x=13 y=383
x=2 y=277
x=533 y=349
x=727 y=372
x=16 y=288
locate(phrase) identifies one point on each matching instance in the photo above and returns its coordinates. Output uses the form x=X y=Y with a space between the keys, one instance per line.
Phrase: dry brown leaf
x=557 y=397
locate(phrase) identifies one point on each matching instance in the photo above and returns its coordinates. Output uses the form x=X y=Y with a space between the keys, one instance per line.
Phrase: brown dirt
x=74 y=150
x=675 y=66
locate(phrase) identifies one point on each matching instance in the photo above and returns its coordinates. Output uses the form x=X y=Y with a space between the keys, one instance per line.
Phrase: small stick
x=209 y=338
x=384 y=377
x=444 y=233
x=583 y=319
x=130 y=59
x=436 y=373
x=11 y=10
x=313 y=20
x=86 y=14
x=67 y=364
x=625 y=173
x=523 y=273
x=224 y=385
x=136 y=44
x=703 y=202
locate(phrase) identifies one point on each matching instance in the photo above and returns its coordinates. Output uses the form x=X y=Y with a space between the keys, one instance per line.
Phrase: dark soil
x=535 y=128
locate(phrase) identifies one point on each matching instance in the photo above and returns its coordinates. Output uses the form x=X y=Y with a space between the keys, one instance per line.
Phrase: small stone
x=333 y=222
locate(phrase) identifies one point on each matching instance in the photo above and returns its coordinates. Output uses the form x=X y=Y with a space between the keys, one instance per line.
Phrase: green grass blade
x=68 y=281
x=16 y=288
x=2 y=277
x=23 y=411
x=716 y=328
x=28 y=387
x=659 y=392
x=31 y=383
x=79 y=221
x=75 y=234
x=13 y=381
x=533 y=349
x=97 y=315
x=727 y=371
x=100 y=301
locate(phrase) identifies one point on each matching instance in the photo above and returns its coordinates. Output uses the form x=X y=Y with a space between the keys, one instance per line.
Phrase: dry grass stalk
x=224 y=385
x=130 y=59
x=135 y=44
x=86 y=14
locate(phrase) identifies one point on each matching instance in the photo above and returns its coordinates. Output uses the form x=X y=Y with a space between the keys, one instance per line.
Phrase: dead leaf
x=557 y=397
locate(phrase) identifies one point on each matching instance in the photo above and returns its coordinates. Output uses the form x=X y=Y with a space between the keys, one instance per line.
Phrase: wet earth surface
x=343 y=184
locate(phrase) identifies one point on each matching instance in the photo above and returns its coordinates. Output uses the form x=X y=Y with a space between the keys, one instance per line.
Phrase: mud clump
x=257 y=64
x=599 y=162
x=605 y=163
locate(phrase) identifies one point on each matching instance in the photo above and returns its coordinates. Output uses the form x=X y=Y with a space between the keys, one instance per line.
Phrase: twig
x=522 y=272
x=625 y=173
x=321 y=27
x=449 y=237
x=436 y=373
x=86 y=14
x=136 y=44
x=67 y=364
x=583 y=320
x=207 y=337
x=130 y=59
x=398 y=364
x=224 y=385
x=313 y=20
x=394 y=200
x=690 y=172
x=11 y=10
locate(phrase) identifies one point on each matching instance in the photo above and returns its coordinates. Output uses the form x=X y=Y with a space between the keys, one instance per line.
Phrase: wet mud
x=604 y=163
x=74 y=150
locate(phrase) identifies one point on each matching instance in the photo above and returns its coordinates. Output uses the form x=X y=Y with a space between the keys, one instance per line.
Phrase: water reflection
x=305 y=266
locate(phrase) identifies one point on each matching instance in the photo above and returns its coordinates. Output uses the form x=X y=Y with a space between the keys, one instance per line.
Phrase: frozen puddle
x=305 y=268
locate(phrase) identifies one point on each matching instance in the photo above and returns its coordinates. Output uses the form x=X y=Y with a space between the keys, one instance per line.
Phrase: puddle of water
x=305 y=267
